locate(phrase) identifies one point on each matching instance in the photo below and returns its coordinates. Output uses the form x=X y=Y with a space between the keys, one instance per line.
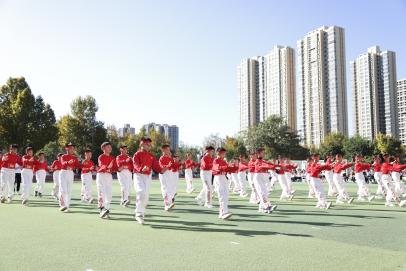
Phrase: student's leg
x=26 y=175
x=222 y=194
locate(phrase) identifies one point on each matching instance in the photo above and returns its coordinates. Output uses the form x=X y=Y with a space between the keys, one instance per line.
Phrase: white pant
x=7 y=179
x=274 y=179
x=235 y=181
x=26 y=178
x=167 y=183
x=55 y=177
x=399 y=186
x=242 y=178
x=189 y=180
x=104 y=182
x=390 y=191
x=260 y=180
x=142 y=184
x=362 y=185
x=285 y=188
x=87 y=181
x=65 y=187
x=254 y=193
x=309 y=183
x=222 y=190
x=40 y=176
x=340 y=185
x=207 y=189
x=288 y=178
x=332 y=189
x=125 y=179
x=319 y=191
x=378 y=178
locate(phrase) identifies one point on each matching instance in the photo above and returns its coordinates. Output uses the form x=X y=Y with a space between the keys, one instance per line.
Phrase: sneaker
x=63 y=208
x=208 y=205
x=404 y=195
x=91 y=201
x=66 y=211
x=104 y=213
x=389 y=204
x=274 y=207
x=126 y=203
x=350 y=200
x=140 y=220
x=36 y=193
x=360 y=199
x=402 y=203
x=24 y=202
x=166 y=208
x=226 y=216
x=328 y=206
x=371 y=198
x=291 y=197
x=171 y=206
x=9 y=200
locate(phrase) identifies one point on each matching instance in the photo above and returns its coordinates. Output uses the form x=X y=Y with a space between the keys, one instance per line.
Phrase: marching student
x=255 y=197
x=380 y=192
x=280 y=171
x=242 y=175
x=189 y=166
x=27 y=174
x=206 y=165
x=7 y=175
x=391 y=195
x=289 y=168
x=328 y=174
x=144 y=163
x=316 y=168
x=359 y=169
x=397 y=168
x=86 y=176
x=175 y=168
x=219 y=171
x=339 y=167
x=56 y=169
x=309 y=162
x=274 y=177
x=260 y=178
x=124 y=174
x=104 y=179
x=40 y=170
x=234 y=177
x=69 y=163
x=17 y=186
x=166 y=178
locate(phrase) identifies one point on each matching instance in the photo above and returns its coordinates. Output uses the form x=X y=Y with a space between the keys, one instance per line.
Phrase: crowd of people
x=219 y=177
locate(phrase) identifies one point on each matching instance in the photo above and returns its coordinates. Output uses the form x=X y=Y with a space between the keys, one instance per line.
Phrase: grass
x=296 y=237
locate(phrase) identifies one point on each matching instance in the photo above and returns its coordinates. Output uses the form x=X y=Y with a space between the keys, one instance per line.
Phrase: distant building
x=171 y=132
x=402 y=110
x=126 y=130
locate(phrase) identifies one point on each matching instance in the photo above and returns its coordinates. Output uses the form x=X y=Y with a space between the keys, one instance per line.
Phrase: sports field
x=295 y=237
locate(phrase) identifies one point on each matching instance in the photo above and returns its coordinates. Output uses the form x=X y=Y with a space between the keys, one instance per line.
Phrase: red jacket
x=359 y=167
x=340 y=167
x=189 y=163
x=87 y=166
x=107 y=164
x=309 y=167
x=67 y=165
x=289 y=167
x=175 y=167
x=206 y=163
x=28 y=162
x=12 y=160
x=251 y=165
x=125 y=162
x=317 y=168
x=242 y=166
x=220 y=167
x=165 y=161
x=143 y=159
x=386 y=168
x=40 y=166
x=56 y=165
x=377 y=167
x=262 y=166
x=396 y=167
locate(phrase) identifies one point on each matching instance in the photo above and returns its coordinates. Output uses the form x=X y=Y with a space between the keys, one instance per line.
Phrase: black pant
x=17 y=183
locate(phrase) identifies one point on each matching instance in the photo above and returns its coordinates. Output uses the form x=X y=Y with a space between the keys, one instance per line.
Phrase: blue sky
x=172 y=61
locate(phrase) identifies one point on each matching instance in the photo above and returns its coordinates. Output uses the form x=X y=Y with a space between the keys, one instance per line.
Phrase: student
x=235 y=188
x=124 y=174
x=260 y=178
x=397 y=168
x=280 y=171
x=316 y=169
x=219 y=171
x=69 y=163
x=104 y=179
x=254 y=198
x=206 y=165
x=56 y=169
x=391 y=195
x=175 y=168
x=27 y=174
x=40 y=170
x=380 y=192
x=359 y=169
x=7 y=175
x=242 y=175
x=86 y=176
x=189 y=166
x=328 y=174
x=166 y=178
x=309 y=163
x=289 y=168
x=339 y=167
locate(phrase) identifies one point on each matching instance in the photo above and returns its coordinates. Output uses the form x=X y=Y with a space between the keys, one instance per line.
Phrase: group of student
x=218 y=177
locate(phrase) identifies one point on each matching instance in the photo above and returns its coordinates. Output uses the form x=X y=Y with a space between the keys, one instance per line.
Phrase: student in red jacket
x=380 y=192
x=315 y=170
x=242 y=175
x=359 y=169
x=339 y=167
x=175 y=168
x=386 y=169
x=309 y=162
x=189 y=165
x=166 y=178
x=124 y=174
x=144 y=163
x=206 y=165
x=234 y=184
x=220 y=169
x=87 y=177
x=40 y=169
x=69 y=163
x=104 y=179
x=328 y=174
x=7 y=175
x=397 y=168
x=27 y=173
x=56 y=169
x=254 y=198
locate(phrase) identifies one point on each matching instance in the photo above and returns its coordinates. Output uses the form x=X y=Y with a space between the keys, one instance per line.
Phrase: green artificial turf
x=297 y=236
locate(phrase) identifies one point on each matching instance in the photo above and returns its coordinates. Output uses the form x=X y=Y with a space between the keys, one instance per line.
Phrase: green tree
x=184 y=149
x=213 y=140
x=158 y=140
x=235 y=147
x=358 y=145
x=387 y=144
x=24 y=118
x=51 y=151
x=332 y=144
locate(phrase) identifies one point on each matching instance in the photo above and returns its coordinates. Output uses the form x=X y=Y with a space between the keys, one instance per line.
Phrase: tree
x=235 y=147
x=332 y=144
x=213 y=140
x=184 y=149
x=51 y=151
x=158 y=140
x=357 y=145
x=387 y=144
x=24 y=118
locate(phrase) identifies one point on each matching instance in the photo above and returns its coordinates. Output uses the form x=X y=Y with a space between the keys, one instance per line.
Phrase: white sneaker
x=274 y=207
x=63 y=208
x=104 y=213
x=166 y=208
x=389 y=204
x=140 y=220
x=328 y=206
x=226 y=216
x=361 y=199
x=66 y=211
x=291 y=197
x=2 y=200
x=25 y=201
x=371 y=198
x=402 y=203
x=9 y=200
x=350 y=200
x=404 y=195
x=208 y=205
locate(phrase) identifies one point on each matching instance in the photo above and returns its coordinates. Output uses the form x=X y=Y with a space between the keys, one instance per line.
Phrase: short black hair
x=221 y=149
x=209 y=148
x=13 y=146
x=104 y=144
